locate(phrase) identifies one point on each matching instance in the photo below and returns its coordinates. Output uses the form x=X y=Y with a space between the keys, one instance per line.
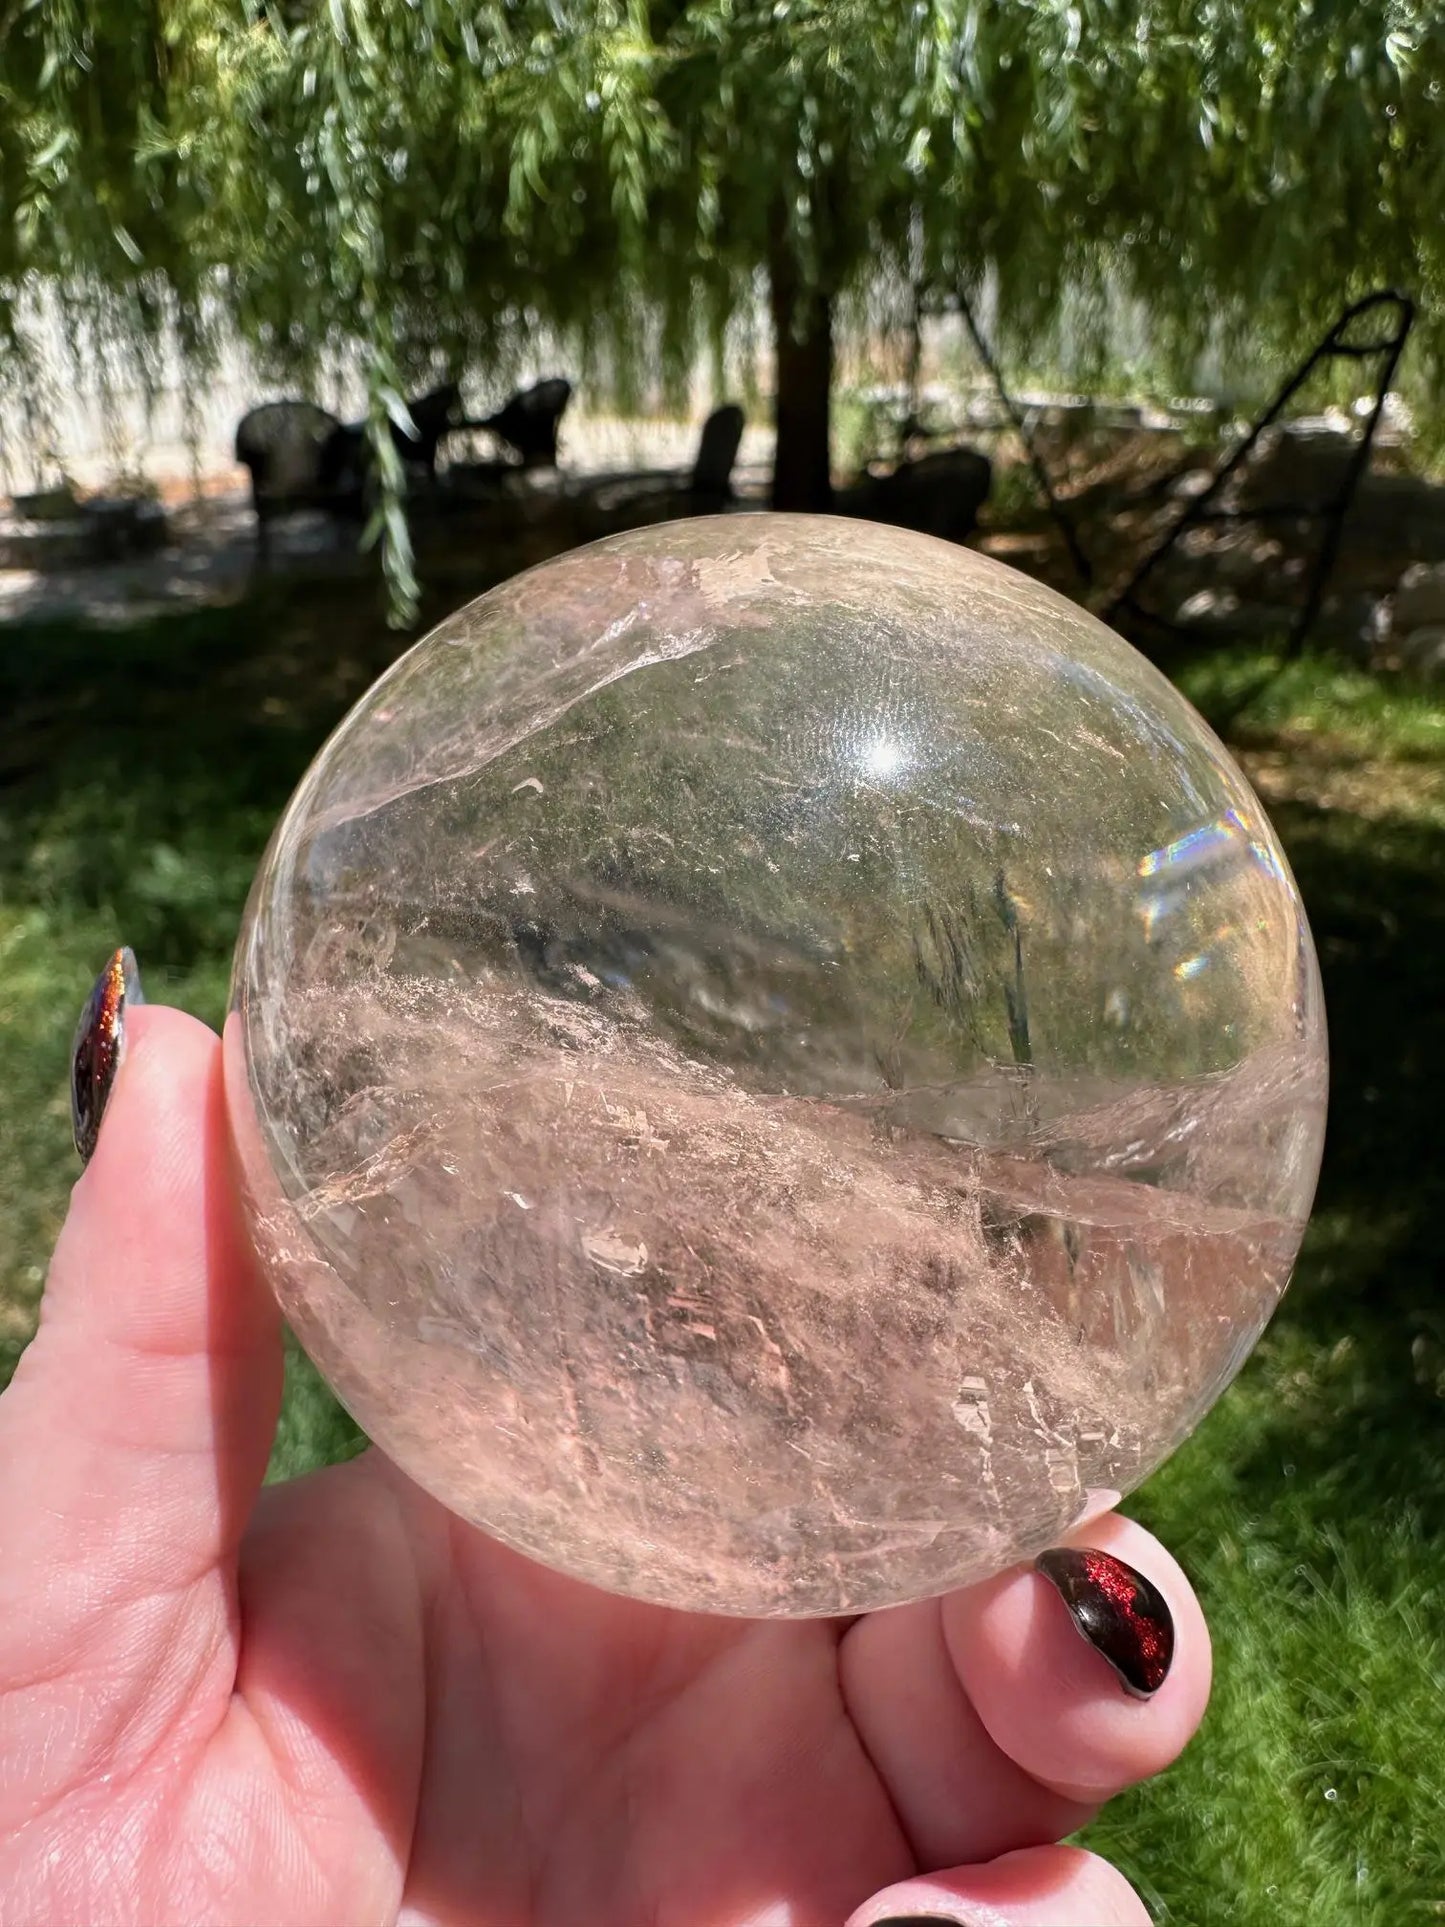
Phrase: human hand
x=332 y=1702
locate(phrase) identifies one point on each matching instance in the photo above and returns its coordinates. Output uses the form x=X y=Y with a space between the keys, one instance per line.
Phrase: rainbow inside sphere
x=778 y=1065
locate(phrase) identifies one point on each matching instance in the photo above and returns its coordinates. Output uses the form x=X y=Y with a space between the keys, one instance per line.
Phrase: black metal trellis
x=1062 y=518
x=1207 y=507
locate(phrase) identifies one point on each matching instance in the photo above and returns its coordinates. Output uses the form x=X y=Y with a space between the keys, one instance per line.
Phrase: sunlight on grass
x=1266 y=694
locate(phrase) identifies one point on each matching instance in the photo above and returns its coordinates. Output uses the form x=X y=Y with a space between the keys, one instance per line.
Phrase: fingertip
x=156 y=1106
x=154 y=1217
x=1035 y=1887
x=169 y=1058
x=1053 y=1703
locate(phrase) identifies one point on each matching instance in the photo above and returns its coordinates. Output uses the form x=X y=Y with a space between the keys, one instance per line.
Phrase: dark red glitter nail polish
x=1118 y=1611
x=100 y=1046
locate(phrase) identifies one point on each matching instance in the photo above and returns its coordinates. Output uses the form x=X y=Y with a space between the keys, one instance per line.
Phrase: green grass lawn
x=140 y=772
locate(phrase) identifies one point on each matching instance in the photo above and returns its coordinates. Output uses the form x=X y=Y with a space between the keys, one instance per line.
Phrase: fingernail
x=99 y=1047
x=1118 y=1611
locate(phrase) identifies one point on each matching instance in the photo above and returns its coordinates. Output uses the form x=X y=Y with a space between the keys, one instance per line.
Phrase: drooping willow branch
x=425 y=187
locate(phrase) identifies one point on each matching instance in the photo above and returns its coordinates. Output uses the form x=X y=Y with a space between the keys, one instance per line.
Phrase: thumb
x=136 y=1430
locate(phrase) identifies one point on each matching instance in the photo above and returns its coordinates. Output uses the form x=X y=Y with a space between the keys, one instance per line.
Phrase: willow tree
x=1243 y=169
x=432 y=181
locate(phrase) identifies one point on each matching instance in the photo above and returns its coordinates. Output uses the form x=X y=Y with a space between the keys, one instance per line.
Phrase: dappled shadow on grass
x=289 y=659
x=1362 y=1425
x=141 y=770
x=1310 y=1507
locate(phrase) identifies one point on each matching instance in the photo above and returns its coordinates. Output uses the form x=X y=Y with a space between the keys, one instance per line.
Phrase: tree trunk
x=803 y=348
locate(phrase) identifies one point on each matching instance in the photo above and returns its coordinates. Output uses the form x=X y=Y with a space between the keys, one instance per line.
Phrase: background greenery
x=431 y=183
x=143 y=770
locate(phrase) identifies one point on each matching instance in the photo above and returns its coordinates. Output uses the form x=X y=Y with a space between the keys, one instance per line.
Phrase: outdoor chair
x=528 y=422
x=299 y=457
x=434 y=415
x=712 y=475
x=628 y=501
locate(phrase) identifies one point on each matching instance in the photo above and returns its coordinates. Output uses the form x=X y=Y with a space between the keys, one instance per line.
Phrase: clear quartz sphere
x=778 y=1065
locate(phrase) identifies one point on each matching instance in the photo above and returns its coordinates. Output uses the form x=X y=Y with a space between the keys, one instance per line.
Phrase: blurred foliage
x=438 y=179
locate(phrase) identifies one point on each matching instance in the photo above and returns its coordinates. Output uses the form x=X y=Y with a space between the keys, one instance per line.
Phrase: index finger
x=136 y=1430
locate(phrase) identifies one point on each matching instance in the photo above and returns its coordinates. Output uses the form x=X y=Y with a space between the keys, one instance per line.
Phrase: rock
x=49 y=505
x=122 y=526
x=1301 y=462
x=1419 y=598
x=1353 y=624
x=102 y=529
x=1399 y=514
x=1422 y=652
